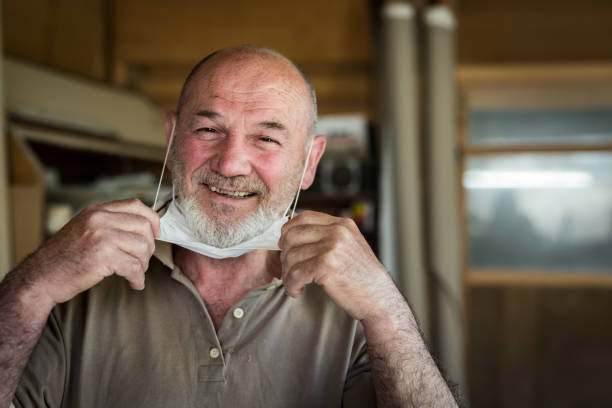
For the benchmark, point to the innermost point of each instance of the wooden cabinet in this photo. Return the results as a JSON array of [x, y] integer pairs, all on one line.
[[55, 168]]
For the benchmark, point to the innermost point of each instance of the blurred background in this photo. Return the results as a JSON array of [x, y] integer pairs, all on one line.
[[471, 140]]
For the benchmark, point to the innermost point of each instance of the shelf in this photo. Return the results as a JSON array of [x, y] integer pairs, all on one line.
[[95, 144], [539, 279]]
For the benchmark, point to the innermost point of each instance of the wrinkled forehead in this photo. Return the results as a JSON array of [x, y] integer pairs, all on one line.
[[252, 79]]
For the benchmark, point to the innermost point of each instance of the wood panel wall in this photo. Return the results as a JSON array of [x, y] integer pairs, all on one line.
[[540, 347], [157, 42], [65, 34], [150, 45], [510, 31]]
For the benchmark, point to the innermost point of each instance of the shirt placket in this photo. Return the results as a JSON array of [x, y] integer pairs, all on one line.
[[210, 359], [214, 349]]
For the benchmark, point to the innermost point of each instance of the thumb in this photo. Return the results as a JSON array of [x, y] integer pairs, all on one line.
[[274, 264]]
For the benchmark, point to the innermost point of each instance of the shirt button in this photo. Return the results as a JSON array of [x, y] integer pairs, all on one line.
[[214, 353], [238, 313]]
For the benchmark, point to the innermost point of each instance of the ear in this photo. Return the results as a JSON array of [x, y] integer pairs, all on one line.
[[318, 148], [170, 124]]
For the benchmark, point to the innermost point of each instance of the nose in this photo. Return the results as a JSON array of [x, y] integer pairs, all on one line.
[[231, 158]]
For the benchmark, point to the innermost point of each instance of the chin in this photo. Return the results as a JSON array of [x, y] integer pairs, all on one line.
[[222, 227]]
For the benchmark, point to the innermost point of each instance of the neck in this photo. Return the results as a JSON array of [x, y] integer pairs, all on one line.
[[222, 282]]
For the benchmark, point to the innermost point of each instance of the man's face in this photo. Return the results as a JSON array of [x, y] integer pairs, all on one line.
[[239, 148]]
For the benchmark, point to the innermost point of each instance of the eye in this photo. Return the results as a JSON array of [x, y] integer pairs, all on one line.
[[207, 130], [267, 139]]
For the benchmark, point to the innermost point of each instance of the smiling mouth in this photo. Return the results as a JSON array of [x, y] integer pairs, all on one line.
[[231, 194]]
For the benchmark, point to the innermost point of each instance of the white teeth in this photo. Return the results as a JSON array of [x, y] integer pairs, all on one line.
[[229, 193]]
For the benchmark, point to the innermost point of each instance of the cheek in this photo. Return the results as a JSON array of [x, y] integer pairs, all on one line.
[[193, 156], [278, 171], [272, 168]]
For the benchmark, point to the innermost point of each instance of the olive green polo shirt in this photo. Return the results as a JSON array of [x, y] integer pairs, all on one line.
[[112, 346]]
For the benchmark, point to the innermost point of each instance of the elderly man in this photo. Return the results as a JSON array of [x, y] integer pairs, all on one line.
[[317, 324]]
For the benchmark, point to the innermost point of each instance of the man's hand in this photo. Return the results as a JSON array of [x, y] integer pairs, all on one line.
[[331, 252], [117, 237], [113, 238]]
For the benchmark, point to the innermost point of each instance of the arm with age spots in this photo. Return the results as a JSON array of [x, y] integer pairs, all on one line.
[[330, 251], [113, 238]]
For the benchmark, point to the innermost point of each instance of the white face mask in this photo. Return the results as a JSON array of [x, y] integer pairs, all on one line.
[[174, 228]]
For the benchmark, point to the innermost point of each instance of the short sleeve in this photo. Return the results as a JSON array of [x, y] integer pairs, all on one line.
[[358, 388], [42, 382]]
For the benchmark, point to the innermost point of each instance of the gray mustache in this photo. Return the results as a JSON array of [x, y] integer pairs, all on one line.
[[237, 183]]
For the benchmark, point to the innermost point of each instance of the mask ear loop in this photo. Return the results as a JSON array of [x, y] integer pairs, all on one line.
[[164, 168], [297, 195]]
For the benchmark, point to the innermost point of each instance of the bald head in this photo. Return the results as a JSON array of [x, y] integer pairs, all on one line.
[[267, 59]]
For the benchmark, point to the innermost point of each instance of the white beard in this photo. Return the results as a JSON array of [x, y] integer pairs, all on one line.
[[211, 232]]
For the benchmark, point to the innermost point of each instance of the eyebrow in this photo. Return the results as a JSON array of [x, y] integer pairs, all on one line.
[[272, 125], [267, 124], [208, 114]]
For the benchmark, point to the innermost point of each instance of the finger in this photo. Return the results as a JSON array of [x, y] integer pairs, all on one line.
[[309, 233], [301, 234], [298, 254], [309, 217], [135, 206], [298, 276], [130, 268], [135, 245], [123, 221]]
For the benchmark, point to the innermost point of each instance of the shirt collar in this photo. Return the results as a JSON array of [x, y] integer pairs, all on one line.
[[163, 252]]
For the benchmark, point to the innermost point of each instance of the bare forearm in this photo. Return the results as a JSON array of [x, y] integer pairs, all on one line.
[[404, 373], [116, 237], [23, 315]]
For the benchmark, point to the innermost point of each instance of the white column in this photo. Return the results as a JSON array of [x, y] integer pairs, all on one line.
[[5, 226], [442, 167], [400, 139]]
